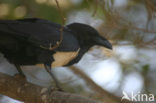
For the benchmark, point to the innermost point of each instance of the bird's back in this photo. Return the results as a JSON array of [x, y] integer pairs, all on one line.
[[39, 32], [21, 40]]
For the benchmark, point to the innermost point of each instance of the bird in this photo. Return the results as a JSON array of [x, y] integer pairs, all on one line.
[[29, 41]]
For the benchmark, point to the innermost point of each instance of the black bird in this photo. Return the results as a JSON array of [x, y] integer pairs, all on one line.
[[26, 42]]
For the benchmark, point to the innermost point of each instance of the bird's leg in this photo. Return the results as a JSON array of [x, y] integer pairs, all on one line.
[[19, 70], [48, 69]]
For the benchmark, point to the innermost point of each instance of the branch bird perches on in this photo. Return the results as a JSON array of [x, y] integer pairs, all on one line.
[[20, 89]]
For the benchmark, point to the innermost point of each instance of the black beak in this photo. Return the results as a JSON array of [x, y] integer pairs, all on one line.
[[103, 42]]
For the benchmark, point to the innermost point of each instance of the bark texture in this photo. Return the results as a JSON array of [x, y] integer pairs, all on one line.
[[18, 88]]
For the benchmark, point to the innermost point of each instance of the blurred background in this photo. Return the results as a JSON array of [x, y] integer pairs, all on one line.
[[130, 25]]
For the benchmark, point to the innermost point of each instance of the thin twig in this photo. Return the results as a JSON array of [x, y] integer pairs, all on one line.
[[96, 7], [61, 30], [151, 5]]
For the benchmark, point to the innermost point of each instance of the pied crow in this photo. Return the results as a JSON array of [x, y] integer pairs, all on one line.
[[25, 42]]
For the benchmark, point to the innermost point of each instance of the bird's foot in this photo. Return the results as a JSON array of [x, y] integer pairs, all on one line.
[[57, 86], [19, 76], [51, 89], [59, 89]]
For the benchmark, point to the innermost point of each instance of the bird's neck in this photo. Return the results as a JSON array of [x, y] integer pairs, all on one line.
[[83, 41], [85, 48]]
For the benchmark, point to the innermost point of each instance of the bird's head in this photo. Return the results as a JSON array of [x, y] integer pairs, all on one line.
[[88, 36]]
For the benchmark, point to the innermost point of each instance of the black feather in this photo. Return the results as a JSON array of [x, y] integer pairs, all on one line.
[[23, 41]]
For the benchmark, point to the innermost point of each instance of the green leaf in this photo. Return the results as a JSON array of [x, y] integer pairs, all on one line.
[[145, 68]]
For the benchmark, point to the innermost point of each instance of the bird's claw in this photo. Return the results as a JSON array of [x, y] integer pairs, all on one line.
[[17, 76]]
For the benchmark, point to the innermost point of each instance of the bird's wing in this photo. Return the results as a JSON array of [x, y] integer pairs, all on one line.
[[39, 32]]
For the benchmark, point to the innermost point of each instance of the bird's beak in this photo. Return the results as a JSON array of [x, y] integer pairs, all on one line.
[[103, 42]]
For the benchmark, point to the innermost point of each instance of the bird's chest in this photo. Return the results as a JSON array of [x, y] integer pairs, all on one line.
[[63, 58]]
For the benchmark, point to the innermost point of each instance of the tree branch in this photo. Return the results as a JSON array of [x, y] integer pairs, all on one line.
[[18, 88], [108, 97]]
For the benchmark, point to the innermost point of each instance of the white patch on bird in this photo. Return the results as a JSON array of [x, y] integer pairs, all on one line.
[[62, 58]]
